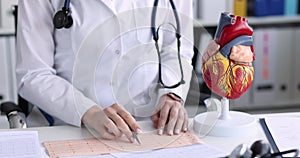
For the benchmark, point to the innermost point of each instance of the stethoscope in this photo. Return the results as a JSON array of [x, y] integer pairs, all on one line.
[[63, 19]]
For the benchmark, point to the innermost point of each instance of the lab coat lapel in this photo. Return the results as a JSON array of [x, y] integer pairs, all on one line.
[[110, 4]]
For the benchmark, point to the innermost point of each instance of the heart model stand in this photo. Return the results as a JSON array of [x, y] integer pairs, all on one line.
[[224, 122]]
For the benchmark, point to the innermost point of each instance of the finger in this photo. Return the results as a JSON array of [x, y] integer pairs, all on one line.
[[100, 130], [180, 120], [110, 125], [160, 104], [154, 119], [107, 135], [131, 122], [185, 122], [164, 113], [173, 117], [113, 129], [122, 126]]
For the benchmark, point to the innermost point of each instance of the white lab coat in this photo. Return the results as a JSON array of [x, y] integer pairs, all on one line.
[[106, 57]]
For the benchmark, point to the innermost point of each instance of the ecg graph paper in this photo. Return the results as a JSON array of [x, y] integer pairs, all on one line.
[[93, 146]]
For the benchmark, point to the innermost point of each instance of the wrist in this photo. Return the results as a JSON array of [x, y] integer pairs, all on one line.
[[175, 97], [88, 115]]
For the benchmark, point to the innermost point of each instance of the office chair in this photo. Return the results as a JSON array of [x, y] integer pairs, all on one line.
[[17, 113]]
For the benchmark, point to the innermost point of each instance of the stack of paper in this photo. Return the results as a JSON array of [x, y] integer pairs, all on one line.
[[19, 144], [191, 151]]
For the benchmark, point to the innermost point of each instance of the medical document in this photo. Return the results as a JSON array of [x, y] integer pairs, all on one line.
[[92, 146], [20, 144], [285, 131]]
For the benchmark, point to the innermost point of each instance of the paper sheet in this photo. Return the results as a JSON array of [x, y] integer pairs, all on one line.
[[19, 144], [150, 141], [285, 131], [191, 151]]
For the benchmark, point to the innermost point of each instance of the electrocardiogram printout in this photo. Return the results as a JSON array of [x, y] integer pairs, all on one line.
[[190, 151], [93, 146], [19, 144]]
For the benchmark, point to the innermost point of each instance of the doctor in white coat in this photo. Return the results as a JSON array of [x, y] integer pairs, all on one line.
[[100, 72]]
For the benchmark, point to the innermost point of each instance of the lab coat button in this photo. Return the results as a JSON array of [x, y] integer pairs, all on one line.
[[117, 52]]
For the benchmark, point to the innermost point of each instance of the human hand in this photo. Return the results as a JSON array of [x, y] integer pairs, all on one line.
[[99, 124], [123, 120], [170, 111], [110, 123]]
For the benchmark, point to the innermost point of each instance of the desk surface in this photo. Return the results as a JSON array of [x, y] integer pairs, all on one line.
[[225, 143]]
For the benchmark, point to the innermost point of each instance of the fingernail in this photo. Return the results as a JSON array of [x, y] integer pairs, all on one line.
[[185, 129], [139, 131], [170, 132], [177, 131], [160, 132], [131, 139]]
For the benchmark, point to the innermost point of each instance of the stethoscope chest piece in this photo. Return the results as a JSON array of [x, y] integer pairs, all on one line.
[[63, 18]]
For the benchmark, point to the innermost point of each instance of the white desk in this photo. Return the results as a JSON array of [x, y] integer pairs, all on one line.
[[225, 143]]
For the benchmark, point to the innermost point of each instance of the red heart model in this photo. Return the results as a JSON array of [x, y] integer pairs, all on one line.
[[224, 76]]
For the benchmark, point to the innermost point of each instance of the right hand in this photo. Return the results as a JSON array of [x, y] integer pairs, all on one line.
[[111, 122]]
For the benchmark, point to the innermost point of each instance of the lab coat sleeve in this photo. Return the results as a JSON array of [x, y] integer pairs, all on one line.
[[36, 76], [185, 12]]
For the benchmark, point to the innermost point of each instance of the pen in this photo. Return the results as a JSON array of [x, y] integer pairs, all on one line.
[[135, 136]]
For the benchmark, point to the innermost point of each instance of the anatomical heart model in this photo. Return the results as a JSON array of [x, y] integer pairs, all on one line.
[[230, 74]]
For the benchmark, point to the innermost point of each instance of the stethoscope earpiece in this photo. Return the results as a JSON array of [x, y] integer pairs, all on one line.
[[241, 151], [69, 22], [260, 148]]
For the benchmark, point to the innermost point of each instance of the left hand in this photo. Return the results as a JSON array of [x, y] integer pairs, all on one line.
[[171, 113]]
